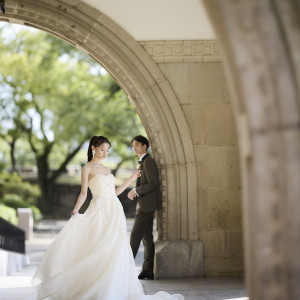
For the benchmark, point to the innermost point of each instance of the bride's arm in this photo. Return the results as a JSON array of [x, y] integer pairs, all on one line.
[[83, 193], [133, 177]]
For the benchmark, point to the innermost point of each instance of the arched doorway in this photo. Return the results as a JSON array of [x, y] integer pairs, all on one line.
[[149, 90]]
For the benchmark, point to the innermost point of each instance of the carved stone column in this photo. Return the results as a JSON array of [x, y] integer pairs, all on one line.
[[260, 43]]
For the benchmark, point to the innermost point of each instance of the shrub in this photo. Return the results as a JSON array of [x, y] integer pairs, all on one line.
[[9, 214], [25, 190], [9, 177], [15, 201], [13, 184]]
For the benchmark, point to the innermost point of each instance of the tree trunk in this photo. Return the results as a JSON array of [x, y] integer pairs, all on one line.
[[43, 169], [12, 155], [47, 180]]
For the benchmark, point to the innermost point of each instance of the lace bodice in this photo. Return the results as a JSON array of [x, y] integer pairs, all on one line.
[[102, 185]]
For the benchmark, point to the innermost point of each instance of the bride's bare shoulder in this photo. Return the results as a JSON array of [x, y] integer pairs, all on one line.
[[108, 170], [86, 168]]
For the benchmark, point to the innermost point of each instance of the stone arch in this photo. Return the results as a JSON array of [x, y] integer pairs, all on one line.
[[260, 41], [149, 90]]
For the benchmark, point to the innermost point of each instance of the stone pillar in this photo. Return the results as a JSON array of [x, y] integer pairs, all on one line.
[[260, 42], [177, 259], [26, 221]]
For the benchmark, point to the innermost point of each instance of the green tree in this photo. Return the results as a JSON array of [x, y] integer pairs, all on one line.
[[58, 98]]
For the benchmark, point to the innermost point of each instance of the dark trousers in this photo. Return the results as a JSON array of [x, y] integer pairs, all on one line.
[[142, 230]]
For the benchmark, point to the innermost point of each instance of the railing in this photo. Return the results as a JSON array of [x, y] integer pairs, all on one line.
[[12, 238]]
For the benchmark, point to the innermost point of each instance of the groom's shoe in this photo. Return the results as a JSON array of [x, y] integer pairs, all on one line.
[[146, 275]]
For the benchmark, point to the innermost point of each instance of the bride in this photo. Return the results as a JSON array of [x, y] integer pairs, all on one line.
[[91, 258]]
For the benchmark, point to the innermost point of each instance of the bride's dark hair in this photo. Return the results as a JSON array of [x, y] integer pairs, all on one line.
[[96, 141]]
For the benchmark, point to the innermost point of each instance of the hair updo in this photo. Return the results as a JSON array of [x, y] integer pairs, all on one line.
[[96, 141]]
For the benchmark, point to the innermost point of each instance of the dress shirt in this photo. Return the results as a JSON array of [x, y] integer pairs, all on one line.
[[140, 160]]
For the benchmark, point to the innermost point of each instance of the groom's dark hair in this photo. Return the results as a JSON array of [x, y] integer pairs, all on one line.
[[141, 139]]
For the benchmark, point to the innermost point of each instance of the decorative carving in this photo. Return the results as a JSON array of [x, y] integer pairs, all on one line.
[[183, 51]]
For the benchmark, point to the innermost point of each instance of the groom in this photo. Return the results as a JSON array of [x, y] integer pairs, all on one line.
[[148, 194]]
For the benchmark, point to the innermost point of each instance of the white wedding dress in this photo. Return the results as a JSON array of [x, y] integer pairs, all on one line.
[[91, 258]]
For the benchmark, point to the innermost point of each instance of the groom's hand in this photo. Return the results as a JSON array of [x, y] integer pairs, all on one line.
[[131, 194]]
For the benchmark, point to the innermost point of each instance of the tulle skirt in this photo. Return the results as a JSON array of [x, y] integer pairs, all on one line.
[[91, 259]]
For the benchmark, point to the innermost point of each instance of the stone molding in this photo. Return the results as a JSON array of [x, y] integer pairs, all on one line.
[[183, 51]]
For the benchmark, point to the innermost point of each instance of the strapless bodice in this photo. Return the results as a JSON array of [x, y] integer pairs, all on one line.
[[102, 185]]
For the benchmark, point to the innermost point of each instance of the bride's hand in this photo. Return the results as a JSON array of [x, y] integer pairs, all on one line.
[[135, 175], [74, 212]]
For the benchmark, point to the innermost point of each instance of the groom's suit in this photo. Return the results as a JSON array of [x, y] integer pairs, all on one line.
[[147, 186], [149, 200]]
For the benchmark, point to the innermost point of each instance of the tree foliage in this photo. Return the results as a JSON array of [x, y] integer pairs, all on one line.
[[56, 98]]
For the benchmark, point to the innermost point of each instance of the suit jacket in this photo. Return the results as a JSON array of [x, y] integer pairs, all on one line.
[[148, 186]]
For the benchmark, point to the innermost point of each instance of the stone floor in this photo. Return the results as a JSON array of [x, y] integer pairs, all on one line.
[[18, 286]]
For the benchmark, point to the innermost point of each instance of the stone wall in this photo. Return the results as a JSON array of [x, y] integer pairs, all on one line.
[[195, 71]]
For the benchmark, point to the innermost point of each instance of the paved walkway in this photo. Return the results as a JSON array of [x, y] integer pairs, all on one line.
[[18, 286]]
